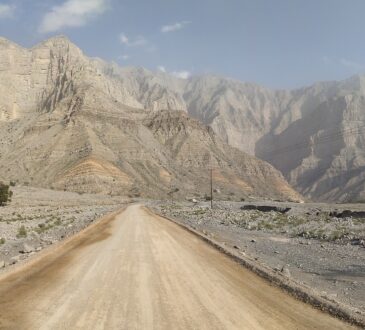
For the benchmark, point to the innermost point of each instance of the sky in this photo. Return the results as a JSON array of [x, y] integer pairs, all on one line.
[[275, 43]]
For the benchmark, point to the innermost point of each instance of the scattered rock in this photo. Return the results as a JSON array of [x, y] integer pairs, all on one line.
[[253, 241], [347, 213], [266, 208], [2, 263], [236, 247], [14, 260], [285, 271], [27, 248], [358, 242]]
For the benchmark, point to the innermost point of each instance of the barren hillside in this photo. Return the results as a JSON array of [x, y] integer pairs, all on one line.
[[71, 122]]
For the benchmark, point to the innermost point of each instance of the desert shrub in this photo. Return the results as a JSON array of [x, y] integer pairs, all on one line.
[[5, 194], [22, 232], [2, 240], [207, 197]]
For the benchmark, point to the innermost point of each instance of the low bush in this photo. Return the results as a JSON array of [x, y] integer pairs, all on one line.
[[5, 194], [22, 232]]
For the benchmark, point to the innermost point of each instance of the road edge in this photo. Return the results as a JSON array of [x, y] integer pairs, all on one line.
[[54, 249], [300, 292]]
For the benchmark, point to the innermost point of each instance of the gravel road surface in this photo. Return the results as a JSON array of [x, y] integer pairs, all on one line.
[[135, 270]]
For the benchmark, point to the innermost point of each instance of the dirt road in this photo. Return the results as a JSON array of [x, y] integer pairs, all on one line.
[[139, 271]]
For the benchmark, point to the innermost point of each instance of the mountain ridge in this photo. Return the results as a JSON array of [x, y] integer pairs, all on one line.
[[78, 123], [266, 123]]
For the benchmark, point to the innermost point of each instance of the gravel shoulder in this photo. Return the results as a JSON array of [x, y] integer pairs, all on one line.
[[37, 218], [333, 265]]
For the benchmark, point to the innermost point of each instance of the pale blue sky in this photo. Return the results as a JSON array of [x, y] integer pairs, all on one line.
[[276, 43]]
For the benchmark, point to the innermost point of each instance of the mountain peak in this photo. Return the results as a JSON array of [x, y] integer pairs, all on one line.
[[6, 42], [59, 38], [59, 41]]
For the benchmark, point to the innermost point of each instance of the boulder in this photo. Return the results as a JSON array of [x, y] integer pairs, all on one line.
[[266, 208], [27, 248], [347, 214], [285, 271]]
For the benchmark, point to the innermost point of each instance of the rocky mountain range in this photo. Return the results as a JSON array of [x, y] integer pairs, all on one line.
[[76, 123], [79, 123], [314, 135]]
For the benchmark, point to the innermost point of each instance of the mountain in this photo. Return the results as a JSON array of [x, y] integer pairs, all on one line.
[[315, 135], [318, 141], [77, 123]]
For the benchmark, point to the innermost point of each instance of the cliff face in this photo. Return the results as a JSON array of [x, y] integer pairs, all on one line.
[[318, 143], [313, 135], [71, 122]]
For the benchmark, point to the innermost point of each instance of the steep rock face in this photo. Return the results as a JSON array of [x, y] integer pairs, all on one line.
[[83, 125], [196, 148], [39, 78], [320, 149], [154, 91], [239, 113], [313, 135]]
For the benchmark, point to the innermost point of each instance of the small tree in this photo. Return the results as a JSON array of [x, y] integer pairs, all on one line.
[[5, 194]]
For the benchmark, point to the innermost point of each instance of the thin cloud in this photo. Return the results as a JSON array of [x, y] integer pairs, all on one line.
[[174, 27], [352, 64], [72, 13], [124, 57], [182, 74], [135, 42], [6, 11]]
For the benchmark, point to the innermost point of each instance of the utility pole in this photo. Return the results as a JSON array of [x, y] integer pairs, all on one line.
[[211, 188]]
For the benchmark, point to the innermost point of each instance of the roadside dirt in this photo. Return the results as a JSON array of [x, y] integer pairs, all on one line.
[[333, 269], [136, 270]]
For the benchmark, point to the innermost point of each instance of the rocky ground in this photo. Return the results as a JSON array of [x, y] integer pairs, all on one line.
[[320, 246], [302, 241], [37, 218]]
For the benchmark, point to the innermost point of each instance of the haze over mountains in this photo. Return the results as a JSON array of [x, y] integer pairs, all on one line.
[[80, 124], [313, 135], [87, 125]]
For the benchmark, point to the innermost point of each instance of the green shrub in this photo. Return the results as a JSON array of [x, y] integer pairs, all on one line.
[[22, 232], [2, 241], [207, 198], [5, 194]]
